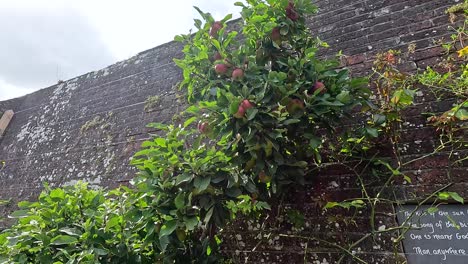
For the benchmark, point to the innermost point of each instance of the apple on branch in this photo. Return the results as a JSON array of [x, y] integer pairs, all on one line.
[[203, 127], [238, 74], [295, 105], [215, 28], [243, 107], [221, 69], [320, 87]]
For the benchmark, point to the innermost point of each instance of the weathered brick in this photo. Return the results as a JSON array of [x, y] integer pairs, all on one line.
[[46, 142]]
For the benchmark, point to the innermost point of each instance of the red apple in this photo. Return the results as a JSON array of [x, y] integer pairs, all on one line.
[[291, 12], [238, 74], [203, 127], [221, 69], [246, 104], [240, 112], [275, 34], [295, 105], [319, 86], [215, 28]]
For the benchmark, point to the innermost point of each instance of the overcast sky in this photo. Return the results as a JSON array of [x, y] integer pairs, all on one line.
[[43, 41]]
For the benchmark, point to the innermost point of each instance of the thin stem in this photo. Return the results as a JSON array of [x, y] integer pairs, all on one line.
[[328, 243], [404, 224]]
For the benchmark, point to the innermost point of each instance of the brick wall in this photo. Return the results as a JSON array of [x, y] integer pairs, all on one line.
[[88, 127]]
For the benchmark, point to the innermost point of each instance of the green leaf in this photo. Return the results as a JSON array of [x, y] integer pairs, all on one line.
[[208, 215], [454, 223], [233, 192], [344, 97], [168, 228], [100, 251], [358, 203], [164, 242], [461, 114], [403, 97], [63, 240], [198, 23], [328, 103], [191, 222], [114, 221], [20, 214], [251, 113], [57, 194], [291, 121], [189, 121], [157, 126], [160, 142], [184, 177], [71, 231], [234, 106], [147, 144], [331, 205], [201, 183], [373, 132], [407, 178], [456, 197], [179, 38], [216, 44], [301, 164], [205, 16], [379, 119], [226, 18], [180, 200], [443, 195]]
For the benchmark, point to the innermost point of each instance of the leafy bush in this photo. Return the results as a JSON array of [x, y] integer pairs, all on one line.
[[78, 225]]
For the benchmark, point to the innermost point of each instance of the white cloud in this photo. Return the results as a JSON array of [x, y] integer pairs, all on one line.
[[43, 41], [135, 26], [8, 90]]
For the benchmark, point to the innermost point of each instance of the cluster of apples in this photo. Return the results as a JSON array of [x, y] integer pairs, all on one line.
[[224, 68], [243, 107], [295, 104], [221, 69], [204, 127]]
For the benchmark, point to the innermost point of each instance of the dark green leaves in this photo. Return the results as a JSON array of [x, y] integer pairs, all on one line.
[[180, 200], [201, 183], [168, 228], [63, 240], [71, 231]]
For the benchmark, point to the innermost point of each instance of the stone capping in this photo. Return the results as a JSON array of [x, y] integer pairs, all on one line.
[[5, 121]]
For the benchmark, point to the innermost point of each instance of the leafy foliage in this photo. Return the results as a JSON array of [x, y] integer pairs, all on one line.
[[260, 101], [278, 134], [77, 225], [264, 112]]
